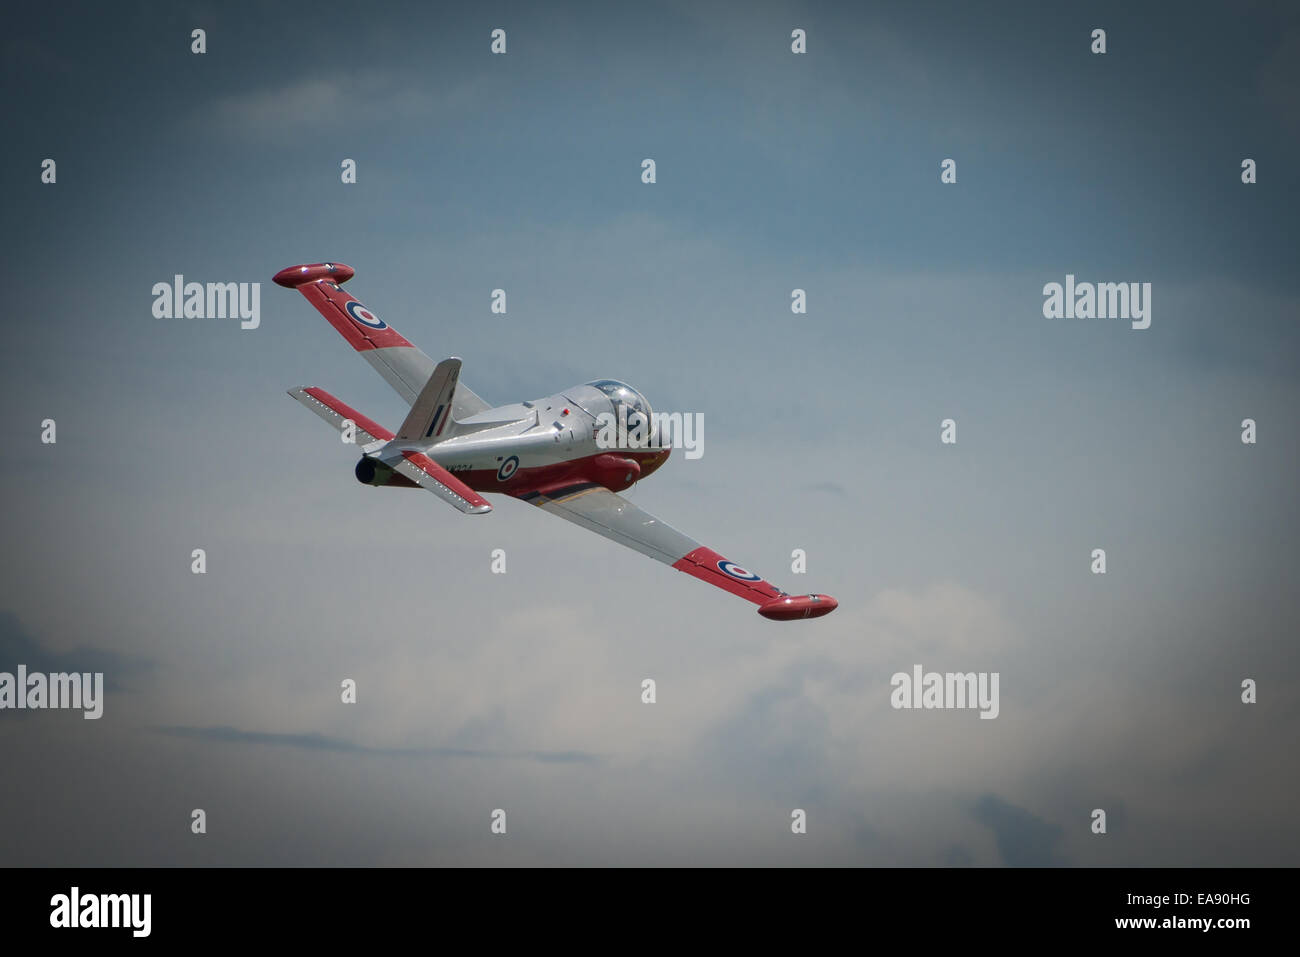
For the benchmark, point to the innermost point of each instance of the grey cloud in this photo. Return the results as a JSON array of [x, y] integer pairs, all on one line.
[[320, 742], [1023, 838], [17, 647]]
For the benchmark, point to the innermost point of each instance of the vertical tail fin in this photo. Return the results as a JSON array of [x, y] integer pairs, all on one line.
[[430, 417]]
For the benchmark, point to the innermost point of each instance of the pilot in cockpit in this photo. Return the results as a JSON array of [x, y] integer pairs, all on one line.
[[639, 417]]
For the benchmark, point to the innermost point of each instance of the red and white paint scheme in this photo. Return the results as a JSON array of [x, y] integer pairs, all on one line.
[[543, 452]]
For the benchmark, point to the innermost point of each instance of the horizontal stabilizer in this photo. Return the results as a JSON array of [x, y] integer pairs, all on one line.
[[427, 473], [338, 414]]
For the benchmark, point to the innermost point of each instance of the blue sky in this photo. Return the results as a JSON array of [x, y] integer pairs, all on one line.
[[775, 171]]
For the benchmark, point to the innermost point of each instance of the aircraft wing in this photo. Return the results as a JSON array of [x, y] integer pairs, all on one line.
[[599, 510], [402, 365]]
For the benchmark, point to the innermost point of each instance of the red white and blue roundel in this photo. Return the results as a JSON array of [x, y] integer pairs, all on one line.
[[361, 314], [735, 571]]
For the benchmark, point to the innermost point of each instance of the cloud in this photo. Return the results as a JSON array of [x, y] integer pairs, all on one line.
[[357, 99], [17, 647], [1023, 838], [1118, 691], [320, 742]]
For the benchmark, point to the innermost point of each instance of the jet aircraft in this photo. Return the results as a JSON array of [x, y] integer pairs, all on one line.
[[542, 451]]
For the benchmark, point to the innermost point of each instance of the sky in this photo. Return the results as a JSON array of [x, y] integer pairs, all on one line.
[[775, 171]]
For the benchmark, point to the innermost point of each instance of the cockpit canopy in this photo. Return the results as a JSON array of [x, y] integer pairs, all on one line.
[[620, 393]]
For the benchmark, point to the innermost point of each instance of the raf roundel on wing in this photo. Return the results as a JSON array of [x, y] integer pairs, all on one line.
[[361, 314]]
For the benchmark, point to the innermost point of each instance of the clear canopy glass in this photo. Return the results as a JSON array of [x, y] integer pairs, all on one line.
[[620, 393]]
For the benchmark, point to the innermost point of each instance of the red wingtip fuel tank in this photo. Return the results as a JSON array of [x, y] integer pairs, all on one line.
[[293, 276], [793, 607]]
